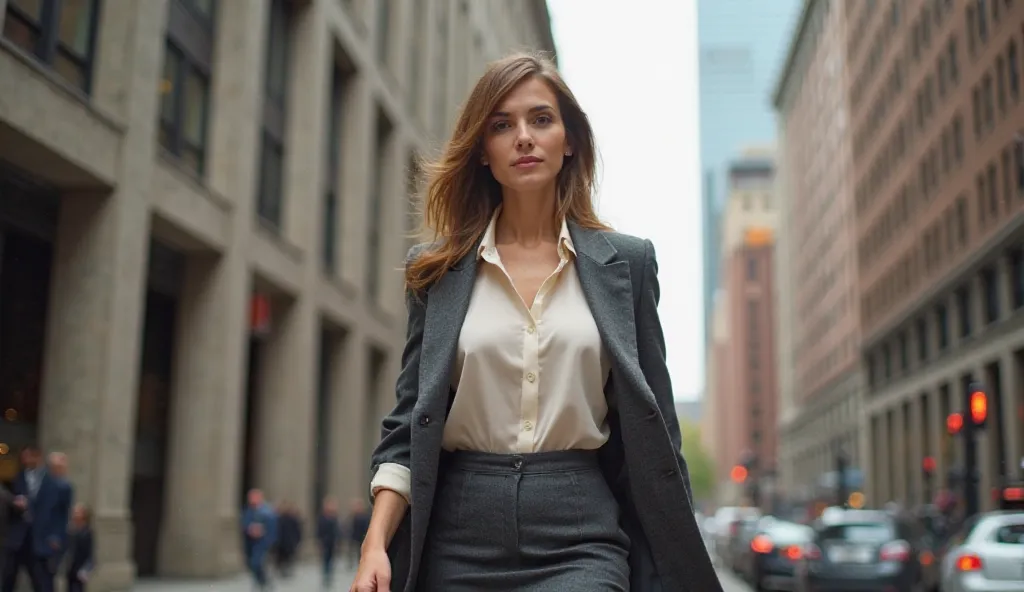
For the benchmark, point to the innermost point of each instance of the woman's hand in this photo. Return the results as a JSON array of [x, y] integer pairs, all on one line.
[[374, 574]]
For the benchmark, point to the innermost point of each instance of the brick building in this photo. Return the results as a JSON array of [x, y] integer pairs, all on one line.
[[938, 165], [820, 385], [742, 356]]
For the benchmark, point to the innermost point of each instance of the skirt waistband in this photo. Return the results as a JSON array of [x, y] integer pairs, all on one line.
[[559, 461]]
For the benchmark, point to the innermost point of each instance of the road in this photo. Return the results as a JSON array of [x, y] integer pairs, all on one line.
[[307, 579], [731, 583]]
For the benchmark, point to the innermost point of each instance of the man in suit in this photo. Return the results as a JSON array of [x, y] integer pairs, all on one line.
[[38, 527], [259, 533]]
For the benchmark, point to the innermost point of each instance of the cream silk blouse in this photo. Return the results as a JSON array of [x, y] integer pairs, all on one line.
[[526, 379]]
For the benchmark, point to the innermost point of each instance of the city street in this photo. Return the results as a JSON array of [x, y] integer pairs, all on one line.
[[307, 579]]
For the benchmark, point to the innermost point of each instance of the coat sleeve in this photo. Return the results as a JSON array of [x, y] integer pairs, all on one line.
[[391, 458], [650, 341]]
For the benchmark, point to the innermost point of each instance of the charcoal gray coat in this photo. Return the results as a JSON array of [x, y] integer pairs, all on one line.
[[642, 460]]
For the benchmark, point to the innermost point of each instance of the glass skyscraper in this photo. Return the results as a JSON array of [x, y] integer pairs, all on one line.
[[742, 44]]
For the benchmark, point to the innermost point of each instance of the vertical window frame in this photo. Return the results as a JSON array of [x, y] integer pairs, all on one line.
[[48, 44]]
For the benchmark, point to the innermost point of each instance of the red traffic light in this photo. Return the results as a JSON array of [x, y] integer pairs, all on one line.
[[954, 422], [738, 474], [928, 464], [979, 407]]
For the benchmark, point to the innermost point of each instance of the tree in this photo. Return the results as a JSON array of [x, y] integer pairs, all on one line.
[[698, 462]]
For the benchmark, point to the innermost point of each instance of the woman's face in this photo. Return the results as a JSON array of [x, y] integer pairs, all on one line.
[[524, 139]]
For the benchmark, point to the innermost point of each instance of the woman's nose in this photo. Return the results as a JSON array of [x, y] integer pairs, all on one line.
[[524, 139]]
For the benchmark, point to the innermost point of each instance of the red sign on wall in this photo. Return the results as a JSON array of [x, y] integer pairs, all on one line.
[[259, 314]]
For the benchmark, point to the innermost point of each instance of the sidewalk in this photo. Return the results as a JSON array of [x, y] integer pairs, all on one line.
[[305, 579]]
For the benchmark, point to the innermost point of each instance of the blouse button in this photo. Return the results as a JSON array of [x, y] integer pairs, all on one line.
[[530, 376], [528, 425], [531, 329], [425, 420]]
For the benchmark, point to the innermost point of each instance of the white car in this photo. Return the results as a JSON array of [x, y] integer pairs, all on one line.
[[986, 555]]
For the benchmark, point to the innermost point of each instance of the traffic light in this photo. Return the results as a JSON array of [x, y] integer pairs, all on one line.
[[928, 467], [954, 423], [738, 474], [978, 403]]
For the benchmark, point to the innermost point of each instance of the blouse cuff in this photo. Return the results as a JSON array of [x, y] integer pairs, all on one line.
[[394, 477]]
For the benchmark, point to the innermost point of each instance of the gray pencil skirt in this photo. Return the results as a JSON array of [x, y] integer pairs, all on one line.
[[533, 522]]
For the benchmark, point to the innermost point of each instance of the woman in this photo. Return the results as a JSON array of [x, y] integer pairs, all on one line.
[[534, 445], [80, 550]]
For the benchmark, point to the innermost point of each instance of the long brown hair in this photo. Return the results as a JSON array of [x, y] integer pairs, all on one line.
[[461, 194]]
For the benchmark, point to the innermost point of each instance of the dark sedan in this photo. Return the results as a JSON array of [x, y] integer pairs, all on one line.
[[775, 549], [861, 551]]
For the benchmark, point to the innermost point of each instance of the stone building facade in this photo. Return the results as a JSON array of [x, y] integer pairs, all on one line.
[[204, 206]]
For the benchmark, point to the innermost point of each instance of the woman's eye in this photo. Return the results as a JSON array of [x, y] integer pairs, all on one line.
[[499, 126], [543, 119]]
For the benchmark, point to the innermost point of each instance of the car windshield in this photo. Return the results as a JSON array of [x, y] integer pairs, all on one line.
[[874, 533], [785, 533]]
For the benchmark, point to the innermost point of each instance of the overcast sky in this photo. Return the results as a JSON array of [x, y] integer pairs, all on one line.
[[635, 73]]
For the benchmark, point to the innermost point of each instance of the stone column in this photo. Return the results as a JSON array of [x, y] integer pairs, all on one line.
[[1013, 424], [358, 160], [199, 536], [94, 322], [287, 394], [936, 425], [347, 473], [916, 451]]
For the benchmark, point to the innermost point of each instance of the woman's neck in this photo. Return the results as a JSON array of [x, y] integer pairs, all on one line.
[[527, 219]]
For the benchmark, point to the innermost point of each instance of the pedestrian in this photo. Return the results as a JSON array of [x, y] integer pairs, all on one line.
[[328, 535], [81, 551], [288, 539], [259, 532], [358, 524], [38, 530], [534, 444]]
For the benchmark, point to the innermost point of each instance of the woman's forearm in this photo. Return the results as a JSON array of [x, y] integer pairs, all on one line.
[[388, 510]]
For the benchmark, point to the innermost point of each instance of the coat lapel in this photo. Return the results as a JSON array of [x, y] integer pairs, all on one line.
[[447, 304], [608, 287]]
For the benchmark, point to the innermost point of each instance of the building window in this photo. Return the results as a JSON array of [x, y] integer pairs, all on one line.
[[377, 197], [942, 323], [1013, 72], [1017, 277], [904, 353], [963, 306], [185, 87], [990, 287], [922, 340], [270, 198], [59, 33], [751, 268], [329, 232], [1018, 158]]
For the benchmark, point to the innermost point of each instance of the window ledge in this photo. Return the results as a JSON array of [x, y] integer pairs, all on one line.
[[344, 287], [197, 183], [60, 85], [290, 249]]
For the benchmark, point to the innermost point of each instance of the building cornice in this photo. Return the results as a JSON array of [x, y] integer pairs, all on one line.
[[789, 66]]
